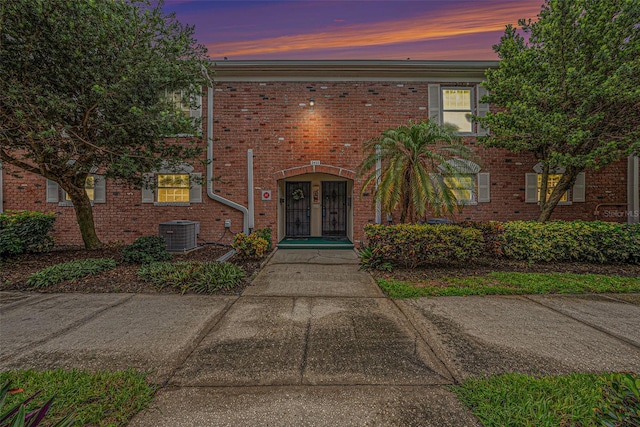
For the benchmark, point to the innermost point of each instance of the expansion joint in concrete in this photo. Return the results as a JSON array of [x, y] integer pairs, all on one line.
[[78, 323], [585, 323]]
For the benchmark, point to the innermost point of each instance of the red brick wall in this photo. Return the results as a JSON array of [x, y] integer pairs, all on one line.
[[269, 118]]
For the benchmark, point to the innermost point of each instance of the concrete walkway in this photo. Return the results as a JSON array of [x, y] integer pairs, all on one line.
[[314, 342]]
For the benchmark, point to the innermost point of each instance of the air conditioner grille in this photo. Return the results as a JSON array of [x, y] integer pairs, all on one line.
[[180, 235]]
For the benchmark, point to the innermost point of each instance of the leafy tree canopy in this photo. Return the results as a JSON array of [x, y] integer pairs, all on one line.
[[568, 88], [84, 84]]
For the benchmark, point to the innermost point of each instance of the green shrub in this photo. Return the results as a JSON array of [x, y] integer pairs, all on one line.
[[25, 231], [70, 271], [413, 245], [491, 233], [633, 231], [197, 276], [621, 392], [145, 250], [252, 246], [265, 233], [585, 241]]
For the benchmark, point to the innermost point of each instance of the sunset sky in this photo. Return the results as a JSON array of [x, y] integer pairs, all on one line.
[[351, 29]]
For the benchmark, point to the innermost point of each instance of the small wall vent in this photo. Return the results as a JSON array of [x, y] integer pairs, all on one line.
[[180, 235]]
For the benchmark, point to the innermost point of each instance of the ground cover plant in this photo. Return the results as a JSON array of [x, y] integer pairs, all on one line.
[[577, 399], [197, 276], [96, 399], [14, 272], [510, 283], [70, 271]]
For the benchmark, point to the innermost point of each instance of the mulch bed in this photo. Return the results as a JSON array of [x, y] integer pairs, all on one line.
[[14, 273]]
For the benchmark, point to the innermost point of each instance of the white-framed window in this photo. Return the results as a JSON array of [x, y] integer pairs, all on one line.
[[456, 105], [95, 186], [178, 186], [173, 188], [457, 108], [190, 107], [552, 182], [462, 187], [533, 186], [468, 185]]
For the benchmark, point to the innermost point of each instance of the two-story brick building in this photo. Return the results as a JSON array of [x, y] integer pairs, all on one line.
[[284, 139]]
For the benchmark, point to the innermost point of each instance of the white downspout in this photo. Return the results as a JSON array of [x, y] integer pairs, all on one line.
[[210, 191], [378, 176], [250, 203]]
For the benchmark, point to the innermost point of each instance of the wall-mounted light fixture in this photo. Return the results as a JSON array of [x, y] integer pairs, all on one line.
[[312, 102]]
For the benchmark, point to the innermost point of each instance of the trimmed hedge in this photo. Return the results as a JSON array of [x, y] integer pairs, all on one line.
[[414, 245], [491, 233], [25, 231], [584, 241]]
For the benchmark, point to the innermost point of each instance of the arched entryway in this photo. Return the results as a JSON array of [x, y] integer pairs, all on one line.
[[315, 204]]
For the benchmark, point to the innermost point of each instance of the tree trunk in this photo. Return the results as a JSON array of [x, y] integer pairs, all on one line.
[[84, 216], [566, 182]]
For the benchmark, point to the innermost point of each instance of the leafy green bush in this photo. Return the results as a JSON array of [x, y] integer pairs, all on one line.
[[413, 245], [252, 246], [585, 241], [145, 250], [25, 231], [633, 230], [197, 276], [70, 271], [491, 233], [621, 392], [265, 233]]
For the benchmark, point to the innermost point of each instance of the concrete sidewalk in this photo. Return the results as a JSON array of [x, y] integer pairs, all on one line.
[[314, 342]]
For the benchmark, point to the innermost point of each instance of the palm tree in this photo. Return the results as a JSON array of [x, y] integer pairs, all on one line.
[[406, 163]]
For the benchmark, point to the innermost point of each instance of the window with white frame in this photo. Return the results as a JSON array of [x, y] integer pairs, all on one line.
[[95, 186], [457, 108], [190, 106], [178, 186], [462, 187], [173, 188], [89, 188], [552, 183], [456, 105], [533, 186], [468, 184]]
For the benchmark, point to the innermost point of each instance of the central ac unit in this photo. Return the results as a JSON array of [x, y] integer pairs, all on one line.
[[180, 235]]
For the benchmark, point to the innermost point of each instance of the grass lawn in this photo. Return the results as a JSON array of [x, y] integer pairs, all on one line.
[[506, 283], [523, 400], [95, 399]]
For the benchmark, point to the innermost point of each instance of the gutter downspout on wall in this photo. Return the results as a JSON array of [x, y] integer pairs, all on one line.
[[210, 191], [250, 195], [633, 190]]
